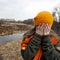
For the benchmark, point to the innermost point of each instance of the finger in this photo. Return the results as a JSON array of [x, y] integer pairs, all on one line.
[[37, 27], [40, 29], [41, 26], [45, 29], [48, 27]]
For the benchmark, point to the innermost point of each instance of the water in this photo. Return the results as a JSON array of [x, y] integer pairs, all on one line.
[[8, 38]]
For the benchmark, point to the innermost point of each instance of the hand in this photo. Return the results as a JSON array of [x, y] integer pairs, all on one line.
[[46, 30], [39, 29], [43, 29]]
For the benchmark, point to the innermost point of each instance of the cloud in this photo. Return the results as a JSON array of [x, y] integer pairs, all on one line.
[[24, 9]]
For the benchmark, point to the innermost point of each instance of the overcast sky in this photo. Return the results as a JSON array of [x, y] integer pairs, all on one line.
[[24, 9]]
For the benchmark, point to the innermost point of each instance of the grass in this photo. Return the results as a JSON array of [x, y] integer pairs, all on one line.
[[11, 51]]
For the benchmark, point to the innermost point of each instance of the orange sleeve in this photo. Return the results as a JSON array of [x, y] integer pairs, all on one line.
[[54, 40], [25, 43]]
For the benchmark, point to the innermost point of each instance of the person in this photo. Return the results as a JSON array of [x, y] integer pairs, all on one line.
[[40, 43]]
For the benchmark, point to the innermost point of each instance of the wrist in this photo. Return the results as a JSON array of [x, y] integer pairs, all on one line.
[[47, 33], [38, 35]]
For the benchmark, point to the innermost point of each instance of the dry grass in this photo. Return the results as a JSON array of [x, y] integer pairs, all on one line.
[[11, 51]]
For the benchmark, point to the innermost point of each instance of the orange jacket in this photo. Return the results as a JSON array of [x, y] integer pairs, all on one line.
[[39, 53]]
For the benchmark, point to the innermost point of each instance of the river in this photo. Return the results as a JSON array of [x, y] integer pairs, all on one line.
[[8, 38]]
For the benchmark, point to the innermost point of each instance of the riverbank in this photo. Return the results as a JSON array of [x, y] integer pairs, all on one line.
[[10, 33], [11, 51], [7, 27]]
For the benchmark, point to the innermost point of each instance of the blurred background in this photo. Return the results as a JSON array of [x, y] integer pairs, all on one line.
[[16, 18]]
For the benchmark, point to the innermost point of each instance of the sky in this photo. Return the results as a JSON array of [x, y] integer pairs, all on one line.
[[24, 9]]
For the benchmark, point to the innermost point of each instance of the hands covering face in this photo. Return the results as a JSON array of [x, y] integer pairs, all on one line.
[[43, 29]]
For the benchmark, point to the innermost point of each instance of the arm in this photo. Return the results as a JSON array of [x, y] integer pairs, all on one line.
[[32, 48], [49, 51]]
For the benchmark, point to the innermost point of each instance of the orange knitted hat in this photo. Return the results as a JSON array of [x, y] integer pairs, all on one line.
[[44, 17]]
